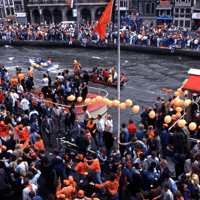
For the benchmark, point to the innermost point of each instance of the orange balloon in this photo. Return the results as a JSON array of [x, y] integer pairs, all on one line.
[[73, 97], [186, 103], [110, 103], [179, 109], [179, 102], [122, 106], [135, 109], [178, 114], [99, 98], [180, 90], [192, 126], [94, 101], [152, 114], [115, 103], [181, 123], [177, 94], [79, 99], [128, 102], [105, 100], [87, 101], [167, 119]]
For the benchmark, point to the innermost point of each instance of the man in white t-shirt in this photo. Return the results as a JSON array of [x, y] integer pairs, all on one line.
[[28, 187], [166, 194], [25, 105]]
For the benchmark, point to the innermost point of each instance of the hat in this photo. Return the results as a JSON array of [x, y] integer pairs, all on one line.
[[71, 179], [162, 99], [81, 193], [3, 148], [66, 182], [150, 126], [60, 196], [33, 154], [150, 108], [80, 156], [165, 125], [22, 172], [13, 76]]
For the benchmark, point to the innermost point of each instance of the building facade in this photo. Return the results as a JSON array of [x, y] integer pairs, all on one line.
[[147, 10], [183, 13], [59, 10]]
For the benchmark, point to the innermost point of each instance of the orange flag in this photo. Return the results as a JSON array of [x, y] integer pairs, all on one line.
[[26, 144], [4, 130], [100, 28], [23, 135]]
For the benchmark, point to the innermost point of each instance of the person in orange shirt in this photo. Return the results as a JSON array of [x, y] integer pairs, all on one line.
[[68, 191], [150, 132], [111, 185], [95, 167], [1, 96], [30, 74], [21, 79], [81, 168], [14, 81], [131, 129], [39, 144]]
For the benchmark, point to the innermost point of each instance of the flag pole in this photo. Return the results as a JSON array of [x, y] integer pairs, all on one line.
[[77, 16], [118, 66]]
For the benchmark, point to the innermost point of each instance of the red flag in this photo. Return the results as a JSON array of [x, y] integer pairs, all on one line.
[[23, 135], [4, 130], [100, 28]]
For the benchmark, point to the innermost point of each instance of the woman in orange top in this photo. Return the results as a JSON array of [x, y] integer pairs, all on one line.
[[150, 132], [81, 168], [39, 144]]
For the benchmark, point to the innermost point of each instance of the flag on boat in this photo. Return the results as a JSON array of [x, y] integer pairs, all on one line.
[[100, 28], [72, 3]]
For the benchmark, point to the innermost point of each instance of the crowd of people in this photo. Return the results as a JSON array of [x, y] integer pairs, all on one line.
[[135, 161], [132, 32]]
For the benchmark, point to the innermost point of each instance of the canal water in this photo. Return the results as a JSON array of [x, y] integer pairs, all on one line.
[[147, 73]]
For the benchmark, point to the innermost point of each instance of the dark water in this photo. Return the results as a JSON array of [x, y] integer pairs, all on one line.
[[147, 74]]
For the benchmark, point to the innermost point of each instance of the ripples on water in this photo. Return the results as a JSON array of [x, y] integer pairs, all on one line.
[[147, 73]]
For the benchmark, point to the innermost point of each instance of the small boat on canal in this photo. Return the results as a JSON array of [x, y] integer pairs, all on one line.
[[44, 66]]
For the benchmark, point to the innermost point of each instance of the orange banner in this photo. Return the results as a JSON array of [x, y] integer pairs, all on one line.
[[23, 135], [4, 131]]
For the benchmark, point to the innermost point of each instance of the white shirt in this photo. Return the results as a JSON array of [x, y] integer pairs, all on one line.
[[24, 104], [100, 125], [45, 82], [15, 97], [26, 191], [110, 122], [19, 89], [167, 195], [150, 160]]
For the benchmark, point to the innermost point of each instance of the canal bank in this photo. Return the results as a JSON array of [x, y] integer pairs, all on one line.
[[134, 48]]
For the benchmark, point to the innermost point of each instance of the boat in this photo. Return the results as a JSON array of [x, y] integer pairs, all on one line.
[[42, 66], [108, 83]]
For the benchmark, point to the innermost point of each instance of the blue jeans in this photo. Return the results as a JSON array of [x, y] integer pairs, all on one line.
[[113, 197], [82, 177], [95, 139], [164, 149], [59, 173], [98, 179], [108, 151], [100, 137]]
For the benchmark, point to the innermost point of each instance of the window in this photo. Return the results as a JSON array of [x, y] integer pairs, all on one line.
[[182, 0], [182, 10], [168, 12], [141, 8], [147, 9], [187, 23], [17, 8], [176, 22], [177, 1], [176, 16], [176, 10], [188, 10], [181, 22], [187, 16], [152, 8]]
